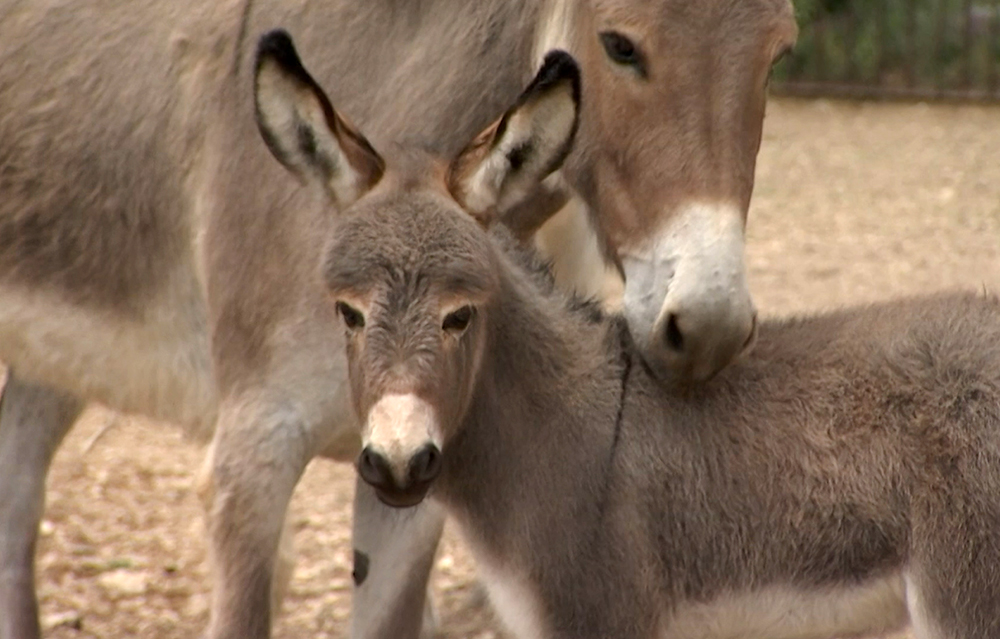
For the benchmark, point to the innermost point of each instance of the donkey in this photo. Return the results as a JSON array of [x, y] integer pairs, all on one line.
[[152, 259], [843, 479]]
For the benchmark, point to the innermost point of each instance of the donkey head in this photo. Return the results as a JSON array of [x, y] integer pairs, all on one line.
[[671, 126], [411, 269]]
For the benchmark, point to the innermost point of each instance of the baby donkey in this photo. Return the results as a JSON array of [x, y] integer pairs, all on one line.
[[842, 480]]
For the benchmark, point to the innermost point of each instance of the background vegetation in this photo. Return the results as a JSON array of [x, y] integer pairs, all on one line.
[[947, 44]]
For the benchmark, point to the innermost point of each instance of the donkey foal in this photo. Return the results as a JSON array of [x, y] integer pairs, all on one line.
[[842, 480]]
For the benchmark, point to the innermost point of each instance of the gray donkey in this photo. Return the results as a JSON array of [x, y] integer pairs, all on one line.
[[842, 480]]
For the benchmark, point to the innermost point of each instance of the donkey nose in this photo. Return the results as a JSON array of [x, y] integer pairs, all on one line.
[[687, 301], [403, 484], [374, 469], [425, 465], [698, 345]]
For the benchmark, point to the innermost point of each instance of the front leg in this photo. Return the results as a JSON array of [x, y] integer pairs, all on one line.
[[393, 555], [255, 461], [33, 421]]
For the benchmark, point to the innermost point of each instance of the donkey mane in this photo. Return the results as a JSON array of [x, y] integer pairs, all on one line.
[[540, 270]]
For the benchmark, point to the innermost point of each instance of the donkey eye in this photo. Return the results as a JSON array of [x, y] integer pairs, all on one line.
[[781, 55], [353, 318], [457, 321], [623, 51]]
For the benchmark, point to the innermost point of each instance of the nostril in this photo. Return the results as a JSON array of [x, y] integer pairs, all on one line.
[[426, 464], [374, 469], [675, 339]]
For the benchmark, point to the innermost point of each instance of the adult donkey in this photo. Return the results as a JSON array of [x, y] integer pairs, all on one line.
[[840, 481], [151, 257]]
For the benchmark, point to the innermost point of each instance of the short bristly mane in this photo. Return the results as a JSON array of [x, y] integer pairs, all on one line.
[[533, 264]]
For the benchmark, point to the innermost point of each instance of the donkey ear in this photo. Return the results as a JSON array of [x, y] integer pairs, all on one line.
[[506, 163], [301, 128]]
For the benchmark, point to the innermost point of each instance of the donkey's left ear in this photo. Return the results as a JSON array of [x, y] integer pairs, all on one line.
[[302, 129], [507, 162]]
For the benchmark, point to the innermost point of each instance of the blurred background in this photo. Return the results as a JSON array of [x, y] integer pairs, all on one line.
[[895, 48], [879, 175]]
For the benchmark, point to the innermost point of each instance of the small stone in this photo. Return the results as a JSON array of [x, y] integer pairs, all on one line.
[[68, 619], [197, 605], [123, 583]]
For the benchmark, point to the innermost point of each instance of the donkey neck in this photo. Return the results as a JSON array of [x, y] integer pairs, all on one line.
[[536, 445]]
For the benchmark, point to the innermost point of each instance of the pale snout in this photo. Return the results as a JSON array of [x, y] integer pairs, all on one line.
[[401, 457], [686, 298]]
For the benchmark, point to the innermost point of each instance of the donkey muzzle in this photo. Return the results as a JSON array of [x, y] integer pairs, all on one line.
[[408, 490], [402, 455], [686, 299]]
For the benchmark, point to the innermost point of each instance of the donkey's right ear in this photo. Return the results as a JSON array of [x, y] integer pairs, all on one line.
[[302, 129]]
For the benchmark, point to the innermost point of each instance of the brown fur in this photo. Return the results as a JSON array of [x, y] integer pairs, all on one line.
[[701, 144]]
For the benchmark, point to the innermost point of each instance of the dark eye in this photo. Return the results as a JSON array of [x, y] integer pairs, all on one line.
[[623, 51], [784, 53], [457, 321], [353, 318]]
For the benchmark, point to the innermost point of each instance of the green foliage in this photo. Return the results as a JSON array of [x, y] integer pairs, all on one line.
[[904, 43]]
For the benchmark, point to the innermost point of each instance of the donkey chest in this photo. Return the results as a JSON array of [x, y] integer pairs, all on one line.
[[514, 600], [512, 596]]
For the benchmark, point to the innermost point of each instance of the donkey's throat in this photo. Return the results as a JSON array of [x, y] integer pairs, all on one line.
[[871, 608]]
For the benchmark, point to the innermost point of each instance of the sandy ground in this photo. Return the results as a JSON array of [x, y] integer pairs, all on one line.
[[853, 203]]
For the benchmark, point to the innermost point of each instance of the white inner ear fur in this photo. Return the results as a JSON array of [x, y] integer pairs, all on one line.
[[283, 103], [543, 126]]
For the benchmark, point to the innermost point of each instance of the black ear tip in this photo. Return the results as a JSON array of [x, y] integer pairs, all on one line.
[[277, 45], [559, 66], [562, 63]]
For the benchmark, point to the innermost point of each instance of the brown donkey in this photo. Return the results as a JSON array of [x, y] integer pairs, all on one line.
[[154, 259], [842, 480]]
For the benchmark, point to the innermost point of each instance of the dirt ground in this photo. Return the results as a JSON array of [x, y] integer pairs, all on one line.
[[853, 203]]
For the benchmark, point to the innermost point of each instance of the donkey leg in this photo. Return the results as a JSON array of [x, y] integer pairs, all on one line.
[[255, 461], [33, 421], [952, 590], [393, 555]]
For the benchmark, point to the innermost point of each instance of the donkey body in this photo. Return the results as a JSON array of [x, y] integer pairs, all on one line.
[[843, 479]]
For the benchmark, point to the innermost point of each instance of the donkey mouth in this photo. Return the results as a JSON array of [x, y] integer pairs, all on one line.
[[408, 498]]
